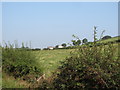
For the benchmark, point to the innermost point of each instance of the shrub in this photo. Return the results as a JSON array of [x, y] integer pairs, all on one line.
[[19, 62], [84, 41], [90, 67], [64, 45]]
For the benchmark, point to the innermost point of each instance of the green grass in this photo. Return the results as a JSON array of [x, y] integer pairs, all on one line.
[[0, 67], [0, 77], [49, 60], [11, 82], [110, 40]]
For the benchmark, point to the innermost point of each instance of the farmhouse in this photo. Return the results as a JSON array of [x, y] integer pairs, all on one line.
[[50, 47], [60, 46]]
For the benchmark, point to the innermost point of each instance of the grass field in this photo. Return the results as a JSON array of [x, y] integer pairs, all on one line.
[[49, 60], [0, 77], [110, 40]]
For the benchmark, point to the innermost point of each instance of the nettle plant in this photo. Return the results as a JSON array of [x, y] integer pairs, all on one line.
[[90, 67]]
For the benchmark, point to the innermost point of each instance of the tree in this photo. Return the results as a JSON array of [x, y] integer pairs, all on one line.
[[106, 37], [45, 49], [23, 45], [84, 41], [64, 45], [56, 46], [76, 42]]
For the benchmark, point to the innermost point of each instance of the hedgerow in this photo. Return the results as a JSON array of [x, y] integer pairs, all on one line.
[[96, 67], [91, 67], [20, 62]]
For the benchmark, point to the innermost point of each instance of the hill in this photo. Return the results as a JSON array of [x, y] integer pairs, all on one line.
[[110, 40]]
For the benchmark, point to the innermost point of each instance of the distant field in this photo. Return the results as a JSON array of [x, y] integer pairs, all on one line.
[[110, 40], [50, 59]]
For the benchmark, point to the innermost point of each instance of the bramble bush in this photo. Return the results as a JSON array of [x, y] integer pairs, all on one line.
[[20, 62], [96, 67], [89, 67]]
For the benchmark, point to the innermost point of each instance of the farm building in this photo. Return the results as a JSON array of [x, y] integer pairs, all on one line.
[[60, 46], [50, 47]]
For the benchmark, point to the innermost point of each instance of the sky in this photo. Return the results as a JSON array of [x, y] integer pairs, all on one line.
[[0, 22], [53, 23], [119, 18]]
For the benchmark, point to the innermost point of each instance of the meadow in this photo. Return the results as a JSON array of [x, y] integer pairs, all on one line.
[[50, 59]]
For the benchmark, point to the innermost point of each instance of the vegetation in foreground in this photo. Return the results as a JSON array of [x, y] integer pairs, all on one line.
[[46, 62], [11, 82], [19, 63], [86, 67], [89, 67], [96, 67]]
